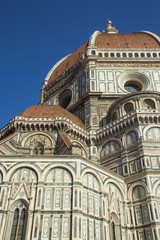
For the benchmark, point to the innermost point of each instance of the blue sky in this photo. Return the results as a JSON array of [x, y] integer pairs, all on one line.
[[35, 34]]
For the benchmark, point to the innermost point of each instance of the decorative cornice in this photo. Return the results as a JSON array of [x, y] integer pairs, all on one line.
[[133, 96], [134, 118], [19, 123], [123, 54], [67, 126], [126, 64]]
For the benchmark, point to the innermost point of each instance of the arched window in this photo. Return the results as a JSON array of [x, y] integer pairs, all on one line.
[[113, 231], [24, 173], [91, 195], [115, 227], [78, 149], [65, 98], [132, 87], [131, 138], [19, 221], [128, 107], [153, 134], [140, 207], [91, 182], [38, 149], [109, 148], [149, 104], [116, 198], [139, 193]]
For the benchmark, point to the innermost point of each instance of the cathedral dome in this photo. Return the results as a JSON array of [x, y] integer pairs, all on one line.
[[137, 40], [47, 111], [106, 40], [66, 63]]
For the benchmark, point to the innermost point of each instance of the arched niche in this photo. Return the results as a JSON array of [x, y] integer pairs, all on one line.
[[90, 181], [131, 138], [38, 149], [128, 107], [109, 148], [149, 104], [78, 149], [58, 175], [115, 206], [58, 197], [91, 194], [24, 173], [115, 227], [138, 193], [153, 134], [140, 206], [38, 142], [111, 188], [16, 227]]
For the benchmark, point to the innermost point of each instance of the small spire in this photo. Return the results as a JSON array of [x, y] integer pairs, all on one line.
[[110, 29]]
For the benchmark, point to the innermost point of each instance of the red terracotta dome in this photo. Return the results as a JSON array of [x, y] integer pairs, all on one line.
[[108, 39], [139, 40], [49, 111], [68, 62]]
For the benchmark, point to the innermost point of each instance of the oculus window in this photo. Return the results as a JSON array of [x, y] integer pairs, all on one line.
[[131, 87]]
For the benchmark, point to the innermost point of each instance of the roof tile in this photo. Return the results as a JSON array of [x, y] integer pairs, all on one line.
[[120, 40], [49, 111], [69, 62]]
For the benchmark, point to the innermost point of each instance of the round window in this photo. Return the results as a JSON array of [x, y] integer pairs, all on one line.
[[131, 87], [133, 82], [65, 98]]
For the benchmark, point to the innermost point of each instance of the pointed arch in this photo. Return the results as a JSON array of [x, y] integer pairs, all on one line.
[[17, 220], [115, 227]]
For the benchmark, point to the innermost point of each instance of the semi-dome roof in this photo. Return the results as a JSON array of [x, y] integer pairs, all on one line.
[[108, 39], [49, 111]]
